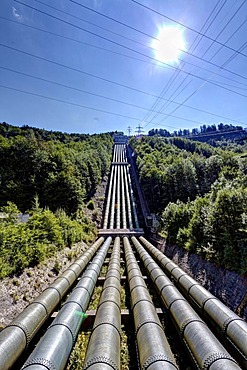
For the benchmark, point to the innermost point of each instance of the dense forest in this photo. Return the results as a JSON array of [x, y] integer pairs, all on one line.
[[199, 193], [51, 176], [209, 130]]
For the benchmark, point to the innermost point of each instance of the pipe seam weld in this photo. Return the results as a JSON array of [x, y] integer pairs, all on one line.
[[69, 269], [161, 274], [157, 358], [177, 280], [138, 286], [41, 304], [205, 301], [107, 322], [148, 320], [142, 300], [109, 301], [24, 328], [188, 291], [56, 289], [100, 359], [175, 300], [111, 286], [215, 357], [61, 323], [186, 323], [60, 277], [39, 361], [82, 287], [228, 321], [75, 302], [137, 275]]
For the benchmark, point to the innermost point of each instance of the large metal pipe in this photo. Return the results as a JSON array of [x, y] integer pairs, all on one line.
[[230, 326], [103, 350], [129, 213], [205, 349], [15, 337], [154, 350], [123, 198], [109, 195], [53, 354], [132, 200], [113, 198], [118, 204]]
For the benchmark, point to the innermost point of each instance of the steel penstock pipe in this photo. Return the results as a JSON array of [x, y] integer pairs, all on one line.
[[204, 348], [104, 346], [154, 350]]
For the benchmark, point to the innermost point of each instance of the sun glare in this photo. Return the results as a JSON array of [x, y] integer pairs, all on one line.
[[168, 44]]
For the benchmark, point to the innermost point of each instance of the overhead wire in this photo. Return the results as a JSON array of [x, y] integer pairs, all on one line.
[[182, 103], [176, 74], [223, 29], [224, 64], [126, 47], [103, 96], [187, 27], [135, 51], [83, 106]]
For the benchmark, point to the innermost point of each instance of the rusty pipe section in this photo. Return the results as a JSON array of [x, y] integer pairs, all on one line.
[[53, 350], [205, 350], [154, 350], [103, 350], [232, 328], [15, 337]]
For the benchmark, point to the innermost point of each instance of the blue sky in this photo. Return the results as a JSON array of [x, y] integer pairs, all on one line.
[[55, 75]]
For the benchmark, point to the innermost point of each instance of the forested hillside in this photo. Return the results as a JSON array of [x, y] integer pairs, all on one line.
[[200, 195], [51, 176]]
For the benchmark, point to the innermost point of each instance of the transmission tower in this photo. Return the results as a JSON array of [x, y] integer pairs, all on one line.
[[139, 130], [129, 129]]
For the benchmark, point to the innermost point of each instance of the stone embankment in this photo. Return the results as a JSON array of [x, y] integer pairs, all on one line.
[[226, 285]]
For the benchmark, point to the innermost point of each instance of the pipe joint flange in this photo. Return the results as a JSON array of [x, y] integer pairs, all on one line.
[[148, 320], [60, 323], [227, 322], [158, 358], [215, 357], [192, 286], [107, 322], [39, 361], [109, 301], [24, 329], [205, 301], [98, 360], [186, 323]]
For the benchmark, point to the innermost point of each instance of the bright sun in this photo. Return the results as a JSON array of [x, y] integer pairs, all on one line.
[[168, 44]]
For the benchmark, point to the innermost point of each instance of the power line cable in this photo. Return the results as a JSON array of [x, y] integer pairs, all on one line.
[[176, 74], [223, 29], [83, 106], [101, 78], [189, 28], [91, 23], [77, 89], [114, 52], [181, 104], [224, 64], [126, 47]]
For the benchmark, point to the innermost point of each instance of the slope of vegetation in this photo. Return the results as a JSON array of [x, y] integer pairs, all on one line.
[[200, 194], [51, 176]]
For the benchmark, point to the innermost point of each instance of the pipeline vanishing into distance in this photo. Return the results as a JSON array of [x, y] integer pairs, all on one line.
[[212, 335]]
